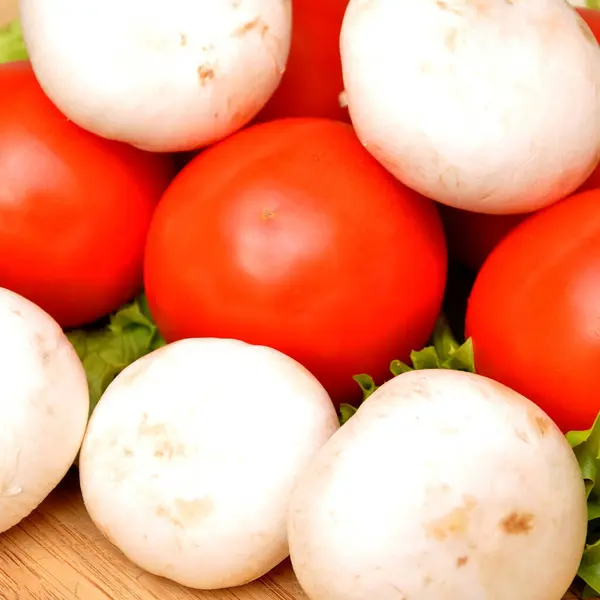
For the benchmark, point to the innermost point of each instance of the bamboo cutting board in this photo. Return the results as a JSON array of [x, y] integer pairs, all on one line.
[[58, 554]]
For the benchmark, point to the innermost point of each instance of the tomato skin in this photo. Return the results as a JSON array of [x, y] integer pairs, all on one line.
[[534, 311], [592, 182], [312, 82], [592, 18], [288, 234], [74, 208], [472, 236]]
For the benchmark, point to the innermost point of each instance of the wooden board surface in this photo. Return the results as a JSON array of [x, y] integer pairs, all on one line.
[[58, 554]]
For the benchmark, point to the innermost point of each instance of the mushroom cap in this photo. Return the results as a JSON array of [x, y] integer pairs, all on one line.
[[44, 405], [443, 485], [191, 455], [490, 106], [161, 76]]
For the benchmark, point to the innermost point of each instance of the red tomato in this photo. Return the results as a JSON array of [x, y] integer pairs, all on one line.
[[289, 234], [74, 208], [592, 17], [534, 311], [312, 82], [592, 182], [472, 236]]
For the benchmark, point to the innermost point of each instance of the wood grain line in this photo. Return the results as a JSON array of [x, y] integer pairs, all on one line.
[[58, 554]]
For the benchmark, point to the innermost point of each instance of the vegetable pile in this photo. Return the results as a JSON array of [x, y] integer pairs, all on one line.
[[282, 279]]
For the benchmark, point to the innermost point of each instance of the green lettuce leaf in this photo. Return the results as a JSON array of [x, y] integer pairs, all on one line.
[[106, 351], [594, 4], [586, 445], [444, 352], [12, 46]]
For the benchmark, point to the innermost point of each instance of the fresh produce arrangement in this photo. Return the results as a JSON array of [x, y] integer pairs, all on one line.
[[320, 282]]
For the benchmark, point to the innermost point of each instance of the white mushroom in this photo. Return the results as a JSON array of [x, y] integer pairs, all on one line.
[[162, 76], [191, 456], [443, 485], [44, 404], [489, 105]]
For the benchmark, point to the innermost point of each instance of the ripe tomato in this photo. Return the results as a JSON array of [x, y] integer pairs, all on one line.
[[534, 311], [74, 208], [592, 182], [592, 17], [472, 236], [289, 234], [312, 82]]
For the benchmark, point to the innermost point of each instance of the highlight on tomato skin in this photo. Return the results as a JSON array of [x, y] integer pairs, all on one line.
[[74, 208], [290, 235], [534, 311]]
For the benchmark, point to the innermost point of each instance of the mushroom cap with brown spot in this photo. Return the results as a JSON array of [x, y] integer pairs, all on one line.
[[191, 455], [444, 484]]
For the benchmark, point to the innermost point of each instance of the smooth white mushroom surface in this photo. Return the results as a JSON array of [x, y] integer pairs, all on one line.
[[444, 484], [162, 76], [191, 456], [491, 106], [44, 404]]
